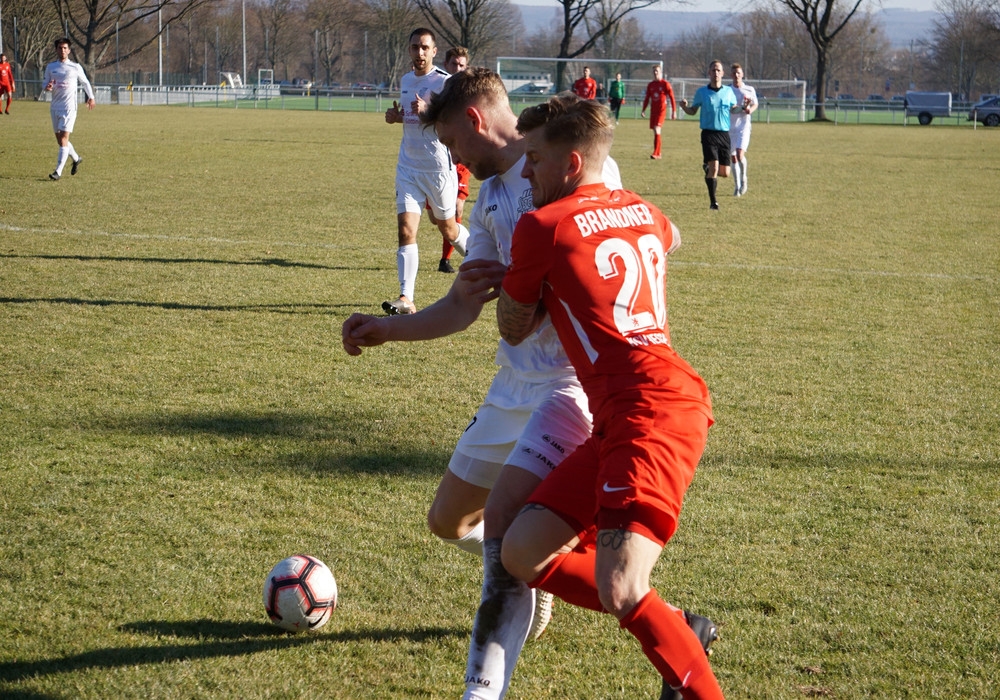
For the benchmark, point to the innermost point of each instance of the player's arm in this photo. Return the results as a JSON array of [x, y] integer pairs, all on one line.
[[452, 313], [689, 108], [517, 321], [673, 103]]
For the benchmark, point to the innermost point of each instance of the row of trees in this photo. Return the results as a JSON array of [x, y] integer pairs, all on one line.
[[836, 45]]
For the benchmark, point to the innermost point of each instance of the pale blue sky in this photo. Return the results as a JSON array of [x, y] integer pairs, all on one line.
[[730, 5]]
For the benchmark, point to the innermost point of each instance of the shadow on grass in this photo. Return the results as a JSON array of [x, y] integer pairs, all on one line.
[[291, 308], [262, 262], [358, 441], [216, 639]]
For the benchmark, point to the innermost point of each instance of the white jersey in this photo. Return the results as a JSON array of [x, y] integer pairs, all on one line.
[[502, 200], [66, 78], [740, 121], [420, 148]]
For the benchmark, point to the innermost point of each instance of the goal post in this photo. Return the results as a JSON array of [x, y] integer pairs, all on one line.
[[540, 75], [527, 76]]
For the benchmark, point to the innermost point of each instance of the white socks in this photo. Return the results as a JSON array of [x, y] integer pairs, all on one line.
[[462, 240], [471, 542], [743, 171], [500, 630], [63, 156], [737, 177], [407, 261]]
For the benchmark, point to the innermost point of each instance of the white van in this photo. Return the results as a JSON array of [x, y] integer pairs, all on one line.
[[927, 105]]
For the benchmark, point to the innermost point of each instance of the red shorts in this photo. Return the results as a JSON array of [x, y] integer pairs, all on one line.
[[656, 117], [634, 470], [4, 89], [463, 181]]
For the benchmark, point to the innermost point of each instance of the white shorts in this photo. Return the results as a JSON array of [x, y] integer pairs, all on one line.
[[63, 121], [437, 189], [739, 139], [533, 426]]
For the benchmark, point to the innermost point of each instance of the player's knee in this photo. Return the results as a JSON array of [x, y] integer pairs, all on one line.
[[518, 558], [441, 525]]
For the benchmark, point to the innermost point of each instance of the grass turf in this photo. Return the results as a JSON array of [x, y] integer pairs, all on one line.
[[177, 415]]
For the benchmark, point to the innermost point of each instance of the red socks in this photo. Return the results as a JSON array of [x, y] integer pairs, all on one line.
[[673, 647]]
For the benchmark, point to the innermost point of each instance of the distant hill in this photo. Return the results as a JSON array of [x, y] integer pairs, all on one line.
[[901, 26]]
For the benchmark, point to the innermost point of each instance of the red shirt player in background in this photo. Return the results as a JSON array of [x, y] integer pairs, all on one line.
[[456, 59], [595, 260], [657, 92], [6, 82], [586, 87]]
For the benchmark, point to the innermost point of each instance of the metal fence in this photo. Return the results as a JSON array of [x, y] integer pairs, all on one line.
[[374, 100]]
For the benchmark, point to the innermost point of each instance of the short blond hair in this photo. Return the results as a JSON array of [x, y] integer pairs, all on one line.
[[584, 125]]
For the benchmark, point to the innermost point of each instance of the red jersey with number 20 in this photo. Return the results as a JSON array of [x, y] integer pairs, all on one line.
[[598, 261]]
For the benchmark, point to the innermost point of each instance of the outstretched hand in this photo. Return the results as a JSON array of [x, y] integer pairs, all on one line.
[[482, 278], [361, 330]]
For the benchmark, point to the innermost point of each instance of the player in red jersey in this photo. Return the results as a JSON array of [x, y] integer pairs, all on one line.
[[455, 59], [657, 92], [595, 260], [586, 87], [6, 82]]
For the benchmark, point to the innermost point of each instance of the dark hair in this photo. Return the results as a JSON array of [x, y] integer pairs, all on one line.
[[62, 40], [423, 31]]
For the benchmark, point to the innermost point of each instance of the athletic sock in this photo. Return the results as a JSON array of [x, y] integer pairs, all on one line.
[[446, 248], [61, 160], [500, 630], [72, 152], [673, 648], [463, 238], [571, 577], [743, 170], [657, 142], [737, 177], [712, 184], [471, 542], [407, 261]]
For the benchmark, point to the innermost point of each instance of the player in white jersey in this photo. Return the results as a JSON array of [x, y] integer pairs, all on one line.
[[739, 128], [535, 412], [63, 78], [425, 175]]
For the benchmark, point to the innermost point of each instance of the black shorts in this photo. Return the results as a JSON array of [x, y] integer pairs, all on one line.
[[715, 146]]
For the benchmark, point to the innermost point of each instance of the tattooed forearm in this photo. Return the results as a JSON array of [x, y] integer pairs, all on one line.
[[613, 539], [515, 320]]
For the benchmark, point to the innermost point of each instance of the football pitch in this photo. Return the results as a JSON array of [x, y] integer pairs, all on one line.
[[177, 415]]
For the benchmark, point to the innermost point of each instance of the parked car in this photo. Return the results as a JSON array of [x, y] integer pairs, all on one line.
[[363, 86], [531, 89], [927, 105], [876, 98], [987, 112]]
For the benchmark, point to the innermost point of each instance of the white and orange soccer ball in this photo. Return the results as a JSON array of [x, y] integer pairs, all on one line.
[[300, 593]]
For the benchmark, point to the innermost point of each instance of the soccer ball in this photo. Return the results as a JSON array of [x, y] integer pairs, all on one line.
[[300, 593]]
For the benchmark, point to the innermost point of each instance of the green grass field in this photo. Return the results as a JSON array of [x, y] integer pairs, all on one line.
[[177, 414]]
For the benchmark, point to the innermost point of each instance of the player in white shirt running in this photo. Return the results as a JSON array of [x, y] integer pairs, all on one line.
[[425, 174], [62, 78], [535, 412], [739, 129]]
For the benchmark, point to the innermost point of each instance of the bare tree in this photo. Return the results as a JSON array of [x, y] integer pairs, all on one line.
[[389, 24], [278, 23], [823, 23], [478, 25], [93, 24], [334, 20], [37, 26], [966, 45], [596, 18]]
